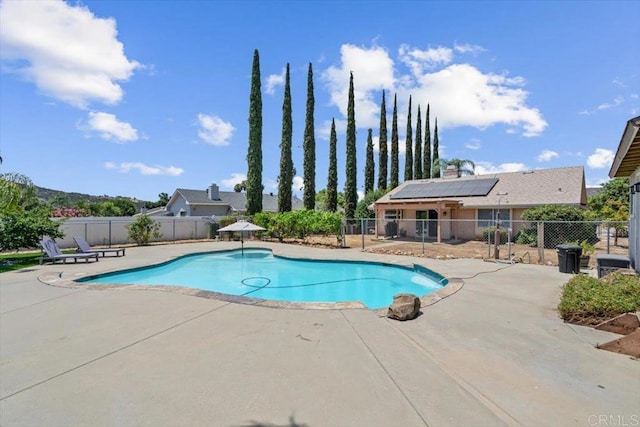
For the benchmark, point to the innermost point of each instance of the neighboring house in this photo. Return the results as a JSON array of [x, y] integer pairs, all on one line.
[[626, 163], [474, 200], [213, 202]]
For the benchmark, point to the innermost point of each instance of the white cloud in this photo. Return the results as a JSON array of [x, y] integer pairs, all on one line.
[[215, 131], [372, 71], [419, 60], [66, 51], [473, 144], [143, 169], [547, 155], [236, 178], [274, 80], [484, 168], [109, 127], [298, 184], [601, 158], [488, 98], [618, 100], [468, 48]]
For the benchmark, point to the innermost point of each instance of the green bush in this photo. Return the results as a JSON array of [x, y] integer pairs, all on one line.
[[588, 300], [143, 230], [504, 235], [19, 230], [562, 224], [300, 224], [528, 236]]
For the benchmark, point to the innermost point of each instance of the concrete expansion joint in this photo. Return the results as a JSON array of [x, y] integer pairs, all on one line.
[[496, 409], [387, 373]]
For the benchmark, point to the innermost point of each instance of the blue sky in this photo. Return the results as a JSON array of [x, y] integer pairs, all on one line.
[[135, 98]]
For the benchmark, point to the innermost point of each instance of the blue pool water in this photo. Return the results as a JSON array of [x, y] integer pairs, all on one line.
[[257, 273]]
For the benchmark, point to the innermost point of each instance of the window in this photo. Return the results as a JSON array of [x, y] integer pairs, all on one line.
[[392, 214], [487, 217]]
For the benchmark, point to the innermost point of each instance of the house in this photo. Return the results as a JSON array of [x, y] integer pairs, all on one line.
[[213, 202], [626, 163], [462, 207]]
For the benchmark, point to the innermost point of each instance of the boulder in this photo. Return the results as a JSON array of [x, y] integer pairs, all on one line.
[[404, 307]]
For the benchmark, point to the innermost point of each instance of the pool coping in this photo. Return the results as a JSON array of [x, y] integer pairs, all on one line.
[[56, 279]]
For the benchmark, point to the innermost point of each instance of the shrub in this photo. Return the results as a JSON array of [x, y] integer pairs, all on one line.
[[504, 235], [562, 224], [144, 229], [25, 229], [588, 300]]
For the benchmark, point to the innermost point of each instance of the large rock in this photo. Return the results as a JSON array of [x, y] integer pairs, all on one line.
[[404, 307]]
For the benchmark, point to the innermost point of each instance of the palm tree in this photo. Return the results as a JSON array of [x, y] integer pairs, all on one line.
[[463, 166]]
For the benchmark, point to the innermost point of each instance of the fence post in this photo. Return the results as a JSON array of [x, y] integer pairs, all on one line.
[[110, 233], [540, 242], [174, 230], [608, 237]]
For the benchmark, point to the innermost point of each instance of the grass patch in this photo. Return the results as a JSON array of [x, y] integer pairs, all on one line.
[[16, 261], [10, 262], [588, 301]]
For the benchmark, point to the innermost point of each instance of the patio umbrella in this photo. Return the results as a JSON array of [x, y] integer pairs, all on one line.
[[242, 226]]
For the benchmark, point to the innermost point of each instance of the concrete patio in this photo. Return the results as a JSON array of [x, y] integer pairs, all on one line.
[[494, 353]]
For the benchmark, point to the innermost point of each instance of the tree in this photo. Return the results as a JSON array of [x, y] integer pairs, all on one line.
[[163, 199], [309, 196], [417, 155], [322, 199], [17, 193], [363, 211], [383, 160], [436, 158], [332, 181], [241, 186], [126, 206], [426, 160], [25, 229], [395, 171], [254, 154], [23, 220], [408, 156], [461, 165], [350, 186], [369, 172], [144, 229], [615, 190], [285, 180]]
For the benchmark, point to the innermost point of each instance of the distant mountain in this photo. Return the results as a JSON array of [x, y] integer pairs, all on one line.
[[48, 195]]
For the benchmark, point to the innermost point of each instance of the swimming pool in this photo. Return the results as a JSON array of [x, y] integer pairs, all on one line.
[[257, 273]]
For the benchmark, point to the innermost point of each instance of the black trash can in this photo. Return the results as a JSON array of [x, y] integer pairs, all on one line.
[[569, 258]]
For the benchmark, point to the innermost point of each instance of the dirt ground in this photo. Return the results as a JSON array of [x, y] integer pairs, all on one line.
[[457, 249]]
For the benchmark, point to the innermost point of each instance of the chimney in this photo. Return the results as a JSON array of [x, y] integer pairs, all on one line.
[[451, 172], [214, 193]]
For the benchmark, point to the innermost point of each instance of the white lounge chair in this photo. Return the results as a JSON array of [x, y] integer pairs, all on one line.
[[53, 253], [85, 248]]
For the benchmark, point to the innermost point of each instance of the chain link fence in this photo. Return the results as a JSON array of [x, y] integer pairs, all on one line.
[[521, 241]]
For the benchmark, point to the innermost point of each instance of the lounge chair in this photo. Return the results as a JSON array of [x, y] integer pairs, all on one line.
[[84, 248], [53, 253]]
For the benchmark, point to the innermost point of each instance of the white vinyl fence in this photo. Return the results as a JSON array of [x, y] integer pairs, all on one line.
[[111, 231]]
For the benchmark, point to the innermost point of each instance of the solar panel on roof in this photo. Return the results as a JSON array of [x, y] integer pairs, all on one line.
[[462, 188]]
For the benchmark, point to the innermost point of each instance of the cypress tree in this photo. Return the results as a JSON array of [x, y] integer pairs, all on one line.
[[383, 159], [332, 181], [395, 170], [436, 157], [408, 156], [309, 197], [417, 172], [285, 180], [426, 161], [369, 173], [254, 154], [350, 186]]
